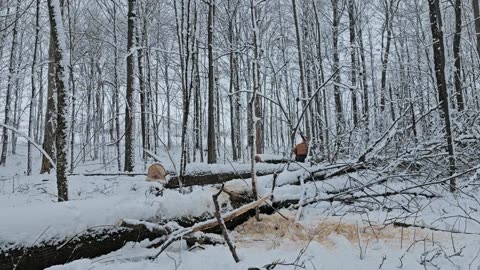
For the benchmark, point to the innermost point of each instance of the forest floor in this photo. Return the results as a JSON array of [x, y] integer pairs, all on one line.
[[327, 234]]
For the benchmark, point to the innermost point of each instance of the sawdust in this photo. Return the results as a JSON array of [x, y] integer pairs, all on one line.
[[275, 229]]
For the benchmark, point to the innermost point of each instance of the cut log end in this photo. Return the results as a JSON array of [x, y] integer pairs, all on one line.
[[157, 173]]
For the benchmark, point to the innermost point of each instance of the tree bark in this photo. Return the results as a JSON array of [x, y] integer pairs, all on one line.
[[212, 156], [336, 64], [61, 82], [353, 59], [476, 15], [50, 121], [439, 60], [129, 108], [140, 35], [457, 56], [32, 95], [386, 52]]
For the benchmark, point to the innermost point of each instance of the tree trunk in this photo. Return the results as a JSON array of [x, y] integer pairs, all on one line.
[[141, 82], [129, 108], [456, 55], [3, 157], [233, 73], [366, 113], [61, 82], [439, 60], [476, 15], [340, 121], [254, 118], [50, 121], [353, 59], [32, 96], [386, 54], [73, 99], [212, 157], [116, 94], [300, 58]]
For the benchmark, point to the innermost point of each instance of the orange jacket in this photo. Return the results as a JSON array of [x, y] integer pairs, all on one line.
[[301, 149]]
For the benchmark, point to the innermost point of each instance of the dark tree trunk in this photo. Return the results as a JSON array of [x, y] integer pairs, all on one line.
[[456, 55], [386, 53], [353, 59], [212, 156], [50, 122], [476, 15], [3, 158], [340, 121], [61, 82], [439, 60], [129, 115], [32, 95]]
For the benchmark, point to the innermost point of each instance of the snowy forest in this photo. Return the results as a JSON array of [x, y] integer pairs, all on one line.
[[239, 134]]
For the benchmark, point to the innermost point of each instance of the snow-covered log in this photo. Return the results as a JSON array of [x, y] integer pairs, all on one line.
[[211, 177], [89, 244], [100, 240]]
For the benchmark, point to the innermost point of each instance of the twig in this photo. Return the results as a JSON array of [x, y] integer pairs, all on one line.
[[222, 225]]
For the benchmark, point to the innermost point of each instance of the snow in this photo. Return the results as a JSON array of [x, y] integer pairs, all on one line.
[[30, 215], [338, 252], [61, 221]]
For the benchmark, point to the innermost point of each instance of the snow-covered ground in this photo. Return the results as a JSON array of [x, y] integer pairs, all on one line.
[[328, 235]]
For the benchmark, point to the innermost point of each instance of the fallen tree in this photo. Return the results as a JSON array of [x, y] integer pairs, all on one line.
[[210, 178], [89, 244], [102, 240]]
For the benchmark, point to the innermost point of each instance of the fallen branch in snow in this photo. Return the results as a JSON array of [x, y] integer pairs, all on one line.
[[211, 223], [149, 226], [406, 225], [31, 141], [167, 229], [221, 222], [107, 174]]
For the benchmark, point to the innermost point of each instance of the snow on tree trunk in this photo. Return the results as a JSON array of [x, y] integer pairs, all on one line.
[[61, 81], [129, 108]]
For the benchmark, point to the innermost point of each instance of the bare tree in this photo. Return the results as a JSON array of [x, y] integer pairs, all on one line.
[[353, 59], [61, 82], [476, 15], [340, 120], [129, 108], [456, 55], [439, 61], [31, 118], [212, 156], [11, 70]]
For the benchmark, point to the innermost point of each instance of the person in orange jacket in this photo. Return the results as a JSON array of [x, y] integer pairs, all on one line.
[[301, 150]]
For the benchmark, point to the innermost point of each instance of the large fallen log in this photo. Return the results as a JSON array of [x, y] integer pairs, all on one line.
[[211, 223], [210, 178], [102, 240], [90, 244]]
